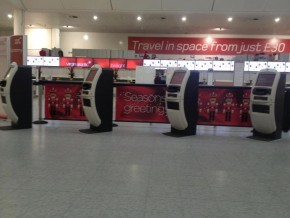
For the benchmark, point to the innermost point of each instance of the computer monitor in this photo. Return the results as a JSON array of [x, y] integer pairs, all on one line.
[[91, 75], [265, 80], [177, 77]]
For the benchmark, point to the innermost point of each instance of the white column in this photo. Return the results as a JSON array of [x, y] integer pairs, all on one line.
[[55, 38], [19, 22]]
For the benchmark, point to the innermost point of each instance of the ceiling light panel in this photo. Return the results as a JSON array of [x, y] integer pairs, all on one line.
[[187, 5], [87, 4], [42, 5], [136, 5], [239, 6], [277, 6]]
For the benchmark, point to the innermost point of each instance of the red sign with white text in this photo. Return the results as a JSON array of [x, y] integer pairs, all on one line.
[[216, 106], [16, 49], [117, 63], [133, 63], [84, 62], [103, 62], [68, 62], [201, 46], [141, 104]]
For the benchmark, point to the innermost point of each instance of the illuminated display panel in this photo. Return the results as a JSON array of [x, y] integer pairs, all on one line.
[[177, 77], [91, 75], [203, 65], [287, 67], [51, 61], [257, 65], [223, 65], [151, 63], [168, 63], [118, 63], [84, 62], [265, 80], [188, 64], [68, 62], [102, 62], [246, 66], [133, 63], [34, 61], [279, 66]]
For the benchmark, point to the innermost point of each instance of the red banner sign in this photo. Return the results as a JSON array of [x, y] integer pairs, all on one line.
[[63, 102], [16, 49], [133, 63], [202, 46], [84, 62], [141, 104], [103, 62], [224, 106], [216, 106], [68, 62], [117, 63]]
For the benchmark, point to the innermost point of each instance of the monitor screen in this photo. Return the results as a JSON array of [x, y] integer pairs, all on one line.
[[265, 80], [91, 75], [177, 77]]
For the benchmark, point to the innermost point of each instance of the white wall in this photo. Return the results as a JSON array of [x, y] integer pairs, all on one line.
[[119, 41], [110, 41], [37, 39], [6, 33], [44, 38]]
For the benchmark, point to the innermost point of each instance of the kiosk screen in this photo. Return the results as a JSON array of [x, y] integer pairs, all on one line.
[[265, 80], [91, 75], [177, 77]]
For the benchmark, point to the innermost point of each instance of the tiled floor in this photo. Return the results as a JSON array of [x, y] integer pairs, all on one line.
[[135, 171]]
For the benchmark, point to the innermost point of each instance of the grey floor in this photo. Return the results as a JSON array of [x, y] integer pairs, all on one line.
[[135, 171]]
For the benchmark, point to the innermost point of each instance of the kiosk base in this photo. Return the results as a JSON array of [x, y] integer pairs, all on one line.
[[181, 133], [98, 129], [5, 128], [40, 122], [265, 137]]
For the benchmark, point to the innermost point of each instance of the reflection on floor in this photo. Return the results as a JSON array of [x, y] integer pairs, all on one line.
[[135, 171]]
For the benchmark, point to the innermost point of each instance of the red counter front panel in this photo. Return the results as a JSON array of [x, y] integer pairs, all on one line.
[[63, 102], [218, 106]]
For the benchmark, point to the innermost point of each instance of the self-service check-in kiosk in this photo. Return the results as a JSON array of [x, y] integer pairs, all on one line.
[[16, 96], [182, 102], [97, 97], [267, 104]]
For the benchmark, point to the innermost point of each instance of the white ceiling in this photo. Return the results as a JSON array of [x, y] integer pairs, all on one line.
[[119, 16]]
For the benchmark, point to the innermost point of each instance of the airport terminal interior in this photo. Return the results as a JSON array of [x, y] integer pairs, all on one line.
[[129, 109]]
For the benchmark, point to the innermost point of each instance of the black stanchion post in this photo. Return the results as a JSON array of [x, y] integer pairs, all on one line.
[[40, 93]]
